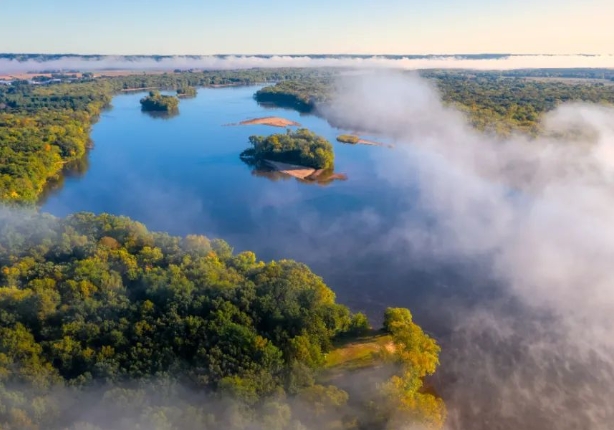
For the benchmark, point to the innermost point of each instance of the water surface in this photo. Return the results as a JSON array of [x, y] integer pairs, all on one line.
[[183, 175]]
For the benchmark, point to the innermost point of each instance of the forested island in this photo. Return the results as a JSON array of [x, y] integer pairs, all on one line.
[[105, 325], [156, 102], [301, 147], [348, 138]]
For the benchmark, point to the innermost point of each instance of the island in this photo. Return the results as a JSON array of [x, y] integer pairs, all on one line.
[[273, 121], [157, 102], [299, 148], [348, 138], [353, 139], [186, 92]]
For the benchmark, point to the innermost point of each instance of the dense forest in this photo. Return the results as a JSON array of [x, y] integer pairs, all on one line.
[[302, 95], [156, 102], [105, 325], [301, 147], [493, 101]]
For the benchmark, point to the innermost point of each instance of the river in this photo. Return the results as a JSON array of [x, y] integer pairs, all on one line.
[[183, 175]]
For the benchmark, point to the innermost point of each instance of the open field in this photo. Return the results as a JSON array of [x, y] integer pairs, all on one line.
[[358, 354]]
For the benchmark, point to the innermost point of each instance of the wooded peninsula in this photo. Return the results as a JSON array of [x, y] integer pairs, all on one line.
[[97, 310]]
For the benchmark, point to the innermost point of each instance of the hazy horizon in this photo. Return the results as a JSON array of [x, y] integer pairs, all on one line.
[[361, 26]]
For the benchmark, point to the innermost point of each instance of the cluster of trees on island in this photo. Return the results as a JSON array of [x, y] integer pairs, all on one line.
[[157, 102], [348, 138], [105, 325], [301, 147]]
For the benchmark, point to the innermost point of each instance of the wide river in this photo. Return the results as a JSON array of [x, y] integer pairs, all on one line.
[[183, 175]]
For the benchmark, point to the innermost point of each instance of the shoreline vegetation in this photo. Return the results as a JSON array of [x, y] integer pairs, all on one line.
[[187, 92], [96, 308], [500, 102]]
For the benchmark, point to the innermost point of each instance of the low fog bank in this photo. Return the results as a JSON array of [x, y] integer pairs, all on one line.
[[245, 61], [537, 213]]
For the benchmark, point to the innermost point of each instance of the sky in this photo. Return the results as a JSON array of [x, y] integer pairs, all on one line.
[[203, 27]]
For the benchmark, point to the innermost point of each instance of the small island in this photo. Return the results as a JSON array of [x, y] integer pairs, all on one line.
[[299, 148], [157, 102], [352, 139], [186, 92], [273, 121], [348, 138]]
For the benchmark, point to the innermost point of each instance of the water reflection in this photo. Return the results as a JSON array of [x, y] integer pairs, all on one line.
[[322, 177], [72, 170], [161, 115]]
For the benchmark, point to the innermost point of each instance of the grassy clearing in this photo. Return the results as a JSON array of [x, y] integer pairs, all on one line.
[[358, 353]]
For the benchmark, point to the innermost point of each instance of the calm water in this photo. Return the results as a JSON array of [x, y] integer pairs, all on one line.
[[183, 175]]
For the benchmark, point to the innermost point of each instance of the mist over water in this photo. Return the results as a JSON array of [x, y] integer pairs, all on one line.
[[502, 248], [537, 215]]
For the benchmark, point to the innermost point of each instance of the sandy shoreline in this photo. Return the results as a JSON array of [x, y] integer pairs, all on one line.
[[299, 172], [304, 173]]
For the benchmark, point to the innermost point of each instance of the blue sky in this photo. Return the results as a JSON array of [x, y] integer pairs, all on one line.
[[314, 26]]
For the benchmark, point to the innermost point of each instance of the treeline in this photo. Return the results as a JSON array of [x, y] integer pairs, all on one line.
[[172, 81], [44, 127], [186, 92], [302, 95], [507, 104], [105, 325], [495, 101]]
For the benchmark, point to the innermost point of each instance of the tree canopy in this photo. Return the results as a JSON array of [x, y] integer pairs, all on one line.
[[301, 147], [156, 102], [186, 92], [91, 300]]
